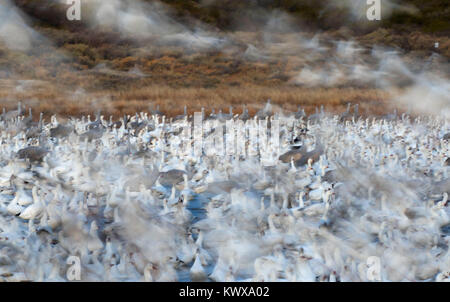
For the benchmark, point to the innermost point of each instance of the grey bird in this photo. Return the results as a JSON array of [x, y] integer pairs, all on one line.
[[33, 153], [171, 177], [295, 154], [61, 130]]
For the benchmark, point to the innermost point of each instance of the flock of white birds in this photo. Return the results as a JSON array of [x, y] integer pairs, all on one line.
[[117, 195]]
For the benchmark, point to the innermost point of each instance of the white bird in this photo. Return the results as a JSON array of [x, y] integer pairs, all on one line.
[[33, 210], [204, 256], [106, 184], [197, 272], [14, 208], [23, 199], [94, 243], [304, 272], [187, 192], [220, 270]]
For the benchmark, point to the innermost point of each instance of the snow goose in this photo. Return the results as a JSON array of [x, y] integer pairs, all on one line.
[[186, 252], [293, 169], [148, 273], [304, 272], [113, 274], [187, 192], [318, 209], [268, 268], [54, 275], [14, 208], [182, 216], [172, 200], [443, 276], [197, 272], [325, 221], [439, 213], [94, 243], [43, 223], [110, 253], [443, 202], [204, 256], [158, 190], [33, 210], [318, 189], [304, 179], [298, 211], [220, 270]]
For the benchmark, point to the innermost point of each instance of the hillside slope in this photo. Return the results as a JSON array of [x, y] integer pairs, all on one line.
[[204, 52]]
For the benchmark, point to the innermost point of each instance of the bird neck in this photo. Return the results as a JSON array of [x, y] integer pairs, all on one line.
[[301, 202]]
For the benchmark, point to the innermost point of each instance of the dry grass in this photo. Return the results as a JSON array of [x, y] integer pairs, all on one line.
[[47, 98]]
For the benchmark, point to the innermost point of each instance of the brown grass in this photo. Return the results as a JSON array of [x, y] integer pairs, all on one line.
[[49, 99]]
